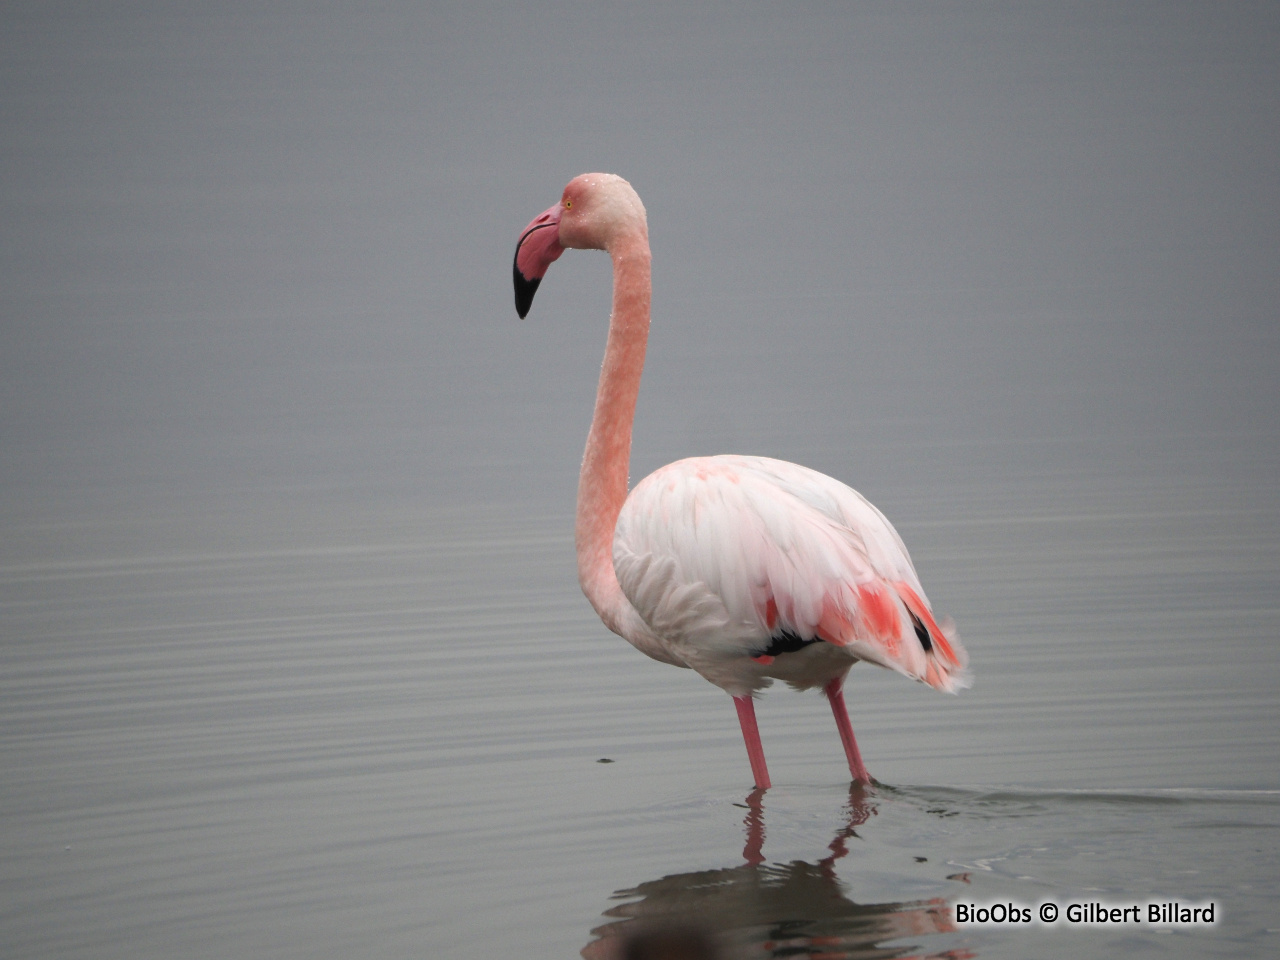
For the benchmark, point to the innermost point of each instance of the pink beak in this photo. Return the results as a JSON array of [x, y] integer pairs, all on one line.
[[538, 248]]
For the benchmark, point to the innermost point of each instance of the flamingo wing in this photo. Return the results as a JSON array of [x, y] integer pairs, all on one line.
[[746, 557]]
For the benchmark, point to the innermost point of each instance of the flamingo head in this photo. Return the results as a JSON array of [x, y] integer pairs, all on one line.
[[594, 210]]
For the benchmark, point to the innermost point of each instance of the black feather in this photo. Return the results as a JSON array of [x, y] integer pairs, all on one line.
[[921, 633], [785, 642]]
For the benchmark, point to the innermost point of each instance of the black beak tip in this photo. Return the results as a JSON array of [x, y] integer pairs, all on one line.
[[525, 289]]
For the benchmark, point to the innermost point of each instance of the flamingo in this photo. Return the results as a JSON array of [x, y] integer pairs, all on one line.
[[745, 569]]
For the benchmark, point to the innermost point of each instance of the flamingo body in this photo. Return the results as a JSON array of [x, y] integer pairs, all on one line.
[[746, 569], [751, 569]]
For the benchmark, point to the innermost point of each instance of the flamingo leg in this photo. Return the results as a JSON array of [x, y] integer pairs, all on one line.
[[751, 736], [835, 693]]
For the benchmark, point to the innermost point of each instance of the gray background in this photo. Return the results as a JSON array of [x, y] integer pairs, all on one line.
[[266, 245], [293, 661]]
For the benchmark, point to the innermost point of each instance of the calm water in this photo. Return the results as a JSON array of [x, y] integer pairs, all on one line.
[[293, 662], [319, 728]]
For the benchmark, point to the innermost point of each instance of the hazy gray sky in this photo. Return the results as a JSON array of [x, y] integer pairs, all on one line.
[[269, 243]]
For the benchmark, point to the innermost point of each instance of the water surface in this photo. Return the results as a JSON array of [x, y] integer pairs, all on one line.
[[323, 728]]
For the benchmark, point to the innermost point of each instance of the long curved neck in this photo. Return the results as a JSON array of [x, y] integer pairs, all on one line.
[[602, 485]]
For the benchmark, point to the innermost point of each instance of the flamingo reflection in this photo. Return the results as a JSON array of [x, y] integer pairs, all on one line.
[[760, 909]]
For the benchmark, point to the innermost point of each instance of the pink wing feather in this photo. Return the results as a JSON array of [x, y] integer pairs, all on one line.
[[719, 554]]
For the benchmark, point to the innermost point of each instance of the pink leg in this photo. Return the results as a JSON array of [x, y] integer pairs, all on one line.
[[751, 736], [835, 693]]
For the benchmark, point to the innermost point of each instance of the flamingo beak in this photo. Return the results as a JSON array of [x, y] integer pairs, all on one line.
[[538, 248]]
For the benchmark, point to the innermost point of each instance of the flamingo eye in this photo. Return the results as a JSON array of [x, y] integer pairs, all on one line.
[[568, 204]]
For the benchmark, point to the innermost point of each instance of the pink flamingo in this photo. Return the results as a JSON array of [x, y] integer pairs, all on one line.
[[746, 569]]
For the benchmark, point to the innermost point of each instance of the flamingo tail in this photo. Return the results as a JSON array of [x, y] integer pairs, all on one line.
[[946, 661]]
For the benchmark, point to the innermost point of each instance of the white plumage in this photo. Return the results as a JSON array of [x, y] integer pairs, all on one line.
[[719, 555]]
